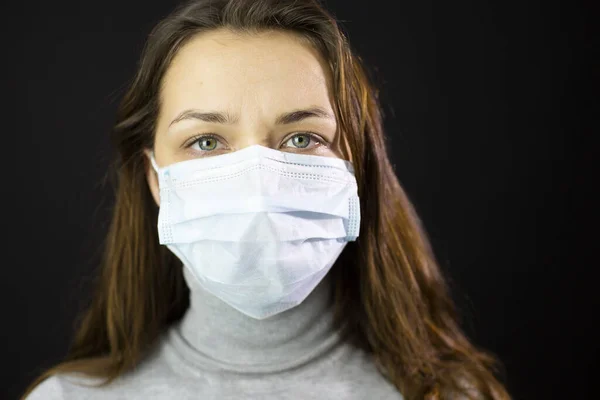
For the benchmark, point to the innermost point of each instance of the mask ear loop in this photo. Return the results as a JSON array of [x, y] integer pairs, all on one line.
[[153, 161]]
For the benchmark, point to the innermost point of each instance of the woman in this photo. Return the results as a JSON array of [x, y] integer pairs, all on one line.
[[292, 266]]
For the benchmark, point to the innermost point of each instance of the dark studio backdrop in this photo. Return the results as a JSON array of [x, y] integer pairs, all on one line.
[[487, 108]]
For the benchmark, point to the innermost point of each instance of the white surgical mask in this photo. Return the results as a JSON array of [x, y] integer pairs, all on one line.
[[258, 228]]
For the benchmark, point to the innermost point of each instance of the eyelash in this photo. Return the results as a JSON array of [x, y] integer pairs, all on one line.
[[312, 135]]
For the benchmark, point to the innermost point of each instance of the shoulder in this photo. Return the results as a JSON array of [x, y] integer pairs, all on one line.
[[356, 376], [49, 389], [63, 387], [151, 375]]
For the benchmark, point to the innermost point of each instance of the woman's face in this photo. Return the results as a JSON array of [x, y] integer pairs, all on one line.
[[224, 91]]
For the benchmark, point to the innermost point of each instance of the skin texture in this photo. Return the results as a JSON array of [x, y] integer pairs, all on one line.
[[253, 78]]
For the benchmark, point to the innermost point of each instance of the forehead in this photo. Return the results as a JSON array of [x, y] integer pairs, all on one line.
[[224, 70]]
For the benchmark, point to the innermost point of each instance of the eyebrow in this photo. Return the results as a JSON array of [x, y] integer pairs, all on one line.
[[229, 119]]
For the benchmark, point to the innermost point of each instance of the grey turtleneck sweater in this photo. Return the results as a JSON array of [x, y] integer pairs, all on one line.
[[216, 352]]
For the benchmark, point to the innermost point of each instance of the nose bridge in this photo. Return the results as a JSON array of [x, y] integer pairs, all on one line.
[[246, 138], [255, 125], [254, 129]]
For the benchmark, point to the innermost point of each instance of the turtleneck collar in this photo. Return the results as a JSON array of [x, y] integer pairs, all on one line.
[[221, 337]]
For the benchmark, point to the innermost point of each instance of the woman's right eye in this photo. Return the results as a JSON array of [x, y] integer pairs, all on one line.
[[206, 143]]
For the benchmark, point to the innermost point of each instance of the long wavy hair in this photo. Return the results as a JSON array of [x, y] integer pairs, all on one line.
[[390, 296]]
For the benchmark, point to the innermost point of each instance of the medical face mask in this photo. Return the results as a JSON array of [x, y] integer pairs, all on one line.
[[258, 228]]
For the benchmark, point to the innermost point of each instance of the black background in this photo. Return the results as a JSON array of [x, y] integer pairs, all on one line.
[[487, 108]]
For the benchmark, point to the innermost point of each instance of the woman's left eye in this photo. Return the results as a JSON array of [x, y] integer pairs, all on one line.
[[303, 141]]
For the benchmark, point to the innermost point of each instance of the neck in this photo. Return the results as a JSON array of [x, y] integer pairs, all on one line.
[[229, 339]]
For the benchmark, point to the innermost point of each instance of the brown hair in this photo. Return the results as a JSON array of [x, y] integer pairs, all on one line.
[[390, 296]]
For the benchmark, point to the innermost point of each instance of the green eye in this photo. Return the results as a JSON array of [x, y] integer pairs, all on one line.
[[301, 141], [207, 143]]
